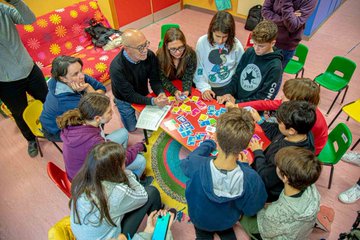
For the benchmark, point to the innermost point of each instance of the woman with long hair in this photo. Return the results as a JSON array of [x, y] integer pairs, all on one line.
[[218, 53], [81, 129], [177, 60], [106, 200]]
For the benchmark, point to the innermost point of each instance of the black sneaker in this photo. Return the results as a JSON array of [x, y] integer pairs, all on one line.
[[33, 149]]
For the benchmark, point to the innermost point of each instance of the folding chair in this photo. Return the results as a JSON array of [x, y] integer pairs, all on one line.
[[59, 177], [296, 64], [31, 116]]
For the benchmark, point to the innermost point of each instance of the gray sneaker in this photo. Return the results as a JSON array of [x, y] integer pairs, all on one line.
[[351, 195], [352, 157], [33, 149]]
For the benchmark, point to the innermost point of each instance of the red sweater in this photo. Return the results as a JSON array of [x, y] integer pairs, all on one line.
[[319, 130]]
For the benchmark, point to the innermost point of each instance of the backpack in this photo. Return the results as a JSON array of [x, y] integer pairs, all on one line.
[[100, 35], [253, 18]]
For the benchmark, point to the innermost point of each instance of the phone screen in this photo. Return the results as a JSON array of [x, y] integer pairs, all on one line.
[[161, 227]]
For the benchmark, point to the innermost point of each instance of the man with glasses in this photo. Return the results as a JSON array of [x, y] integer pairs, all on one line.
[[130, 71]]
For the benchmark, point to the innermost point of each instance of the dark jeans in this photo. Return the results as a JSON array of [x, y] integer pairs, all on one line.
[[13, 94], [132, 220], [227, 234]]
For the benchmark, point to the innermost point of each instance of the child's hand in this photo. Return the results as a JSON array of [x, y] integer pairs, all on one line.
[[255, 115], [243, 158], [231, 105], [255, 144]]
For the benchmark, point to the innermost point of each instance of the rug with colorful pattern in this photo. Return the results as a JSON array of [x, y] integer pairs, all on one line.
[[164, 155]]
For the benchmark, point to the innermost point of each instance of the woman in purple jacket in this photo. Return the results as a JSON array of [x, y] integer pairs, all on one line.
[[81, 129]]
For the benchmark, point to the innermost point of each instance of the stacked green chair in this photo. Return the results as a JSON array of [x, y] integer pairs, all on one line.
[[332, 80], [164, 29], [295, 65], [339, 141]]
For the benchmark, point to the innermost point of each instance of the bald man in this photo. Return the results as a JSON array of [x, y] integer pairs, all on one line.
[[130, 71]]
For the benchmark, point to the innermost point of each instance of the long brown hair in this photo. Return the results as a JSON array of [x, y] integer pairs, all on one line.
[[103, 163], [90, 105], [222, 22], [165, 59]]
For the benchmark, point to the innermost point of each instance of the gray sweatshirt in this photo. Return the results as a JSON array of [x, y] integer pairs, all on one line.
[[15, 61]]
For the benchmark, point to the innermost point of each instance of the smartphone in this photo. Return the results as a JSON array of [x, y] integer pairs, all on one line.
[[161, 227]]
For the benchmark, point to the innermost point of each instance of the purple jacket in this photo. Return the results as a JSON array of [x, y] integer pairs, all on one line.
[[79, 140], [290, 26]]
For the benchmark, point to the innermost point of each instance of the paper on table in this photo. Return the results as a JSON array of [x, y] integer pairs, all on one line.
[[151, 117]]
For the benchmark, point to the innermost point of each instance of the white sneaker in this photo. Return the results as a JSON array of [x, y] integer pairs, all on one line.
[[351, 195], [352, 157]]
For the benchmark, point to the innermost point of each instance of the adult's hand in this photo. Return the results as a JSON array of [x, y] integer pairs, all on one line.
[[225, 98], [177, 95], [79, 87], [208, 95], [161, 100], [231, 105]]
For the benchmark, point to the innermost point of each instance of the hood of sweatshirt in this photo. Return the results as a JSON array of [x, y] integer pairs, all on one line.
[[76, 136]]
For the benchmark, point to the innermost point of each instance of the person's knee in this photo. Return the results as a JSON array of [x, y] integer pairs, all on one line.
[[153, 196]]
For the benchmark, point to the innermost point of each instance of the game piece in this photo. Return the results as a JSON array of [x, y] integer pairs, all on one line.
[[183, 106], [188, 109], [170, 124], [222, 110], [200, 104], [203, 117], [175, 110], [256, 137], [186, 100], [204, 123], [182, 97], [182, 119], [191, 141], [212, 121], [195, 112], [210, 129], [195, 98], [171, 99]]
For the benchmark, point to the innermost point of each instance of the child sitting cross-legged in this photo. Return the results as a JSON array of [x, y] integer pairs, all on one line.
[[293, 215], [295, 120], [219, 191]]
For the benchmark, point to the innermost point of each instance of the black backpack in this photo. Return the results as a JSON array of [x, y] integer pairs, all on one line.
[[254, 17], [100, 35]]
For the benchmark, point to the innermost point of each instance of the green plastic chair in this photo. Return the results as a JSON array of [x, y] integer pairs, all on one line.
[[331, 79], [164, 29], [296, 65], [339, 141]]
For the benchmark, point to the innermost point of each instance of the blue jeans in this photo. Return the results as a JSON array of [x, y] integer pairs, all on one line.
[[287, 55], [127, 114], [138, 165], [119, 136]]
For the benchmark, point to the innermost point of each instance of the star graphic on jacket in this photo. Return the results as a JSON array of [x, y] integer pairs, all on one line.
[[249, 77]]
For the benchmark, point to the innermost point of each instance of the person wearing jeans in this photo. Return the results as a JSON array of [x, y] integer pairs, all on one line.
[[130, 71], [18, 72]]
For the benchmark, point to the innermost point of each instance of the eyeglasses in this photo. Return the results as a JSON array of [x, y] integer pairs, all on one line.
[[174, 50], [142, 48]]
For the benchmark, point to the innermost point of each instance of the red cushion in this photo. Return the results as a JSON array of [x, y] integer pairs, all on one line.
[[96, 62], [60, 32]]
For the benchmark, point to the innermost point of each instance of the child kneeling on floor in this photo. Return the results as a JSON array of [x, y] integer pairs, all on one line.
[[293, 215], [223, 189]]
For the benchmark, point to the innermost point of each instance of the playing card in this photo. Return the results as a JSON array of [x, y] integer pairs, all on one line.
[[182, 119], [210, 129], [195, 112], [200, 104], [256, 137], [191, 141], [195, 98]]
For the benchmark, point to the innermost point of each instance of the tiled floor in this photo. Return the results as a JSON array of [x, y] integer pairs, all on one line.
[[30, 203]]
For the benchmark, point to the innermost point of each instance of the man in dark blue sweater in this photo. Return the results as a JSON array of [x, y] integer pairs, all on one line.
[[221, 190], [130, 71]]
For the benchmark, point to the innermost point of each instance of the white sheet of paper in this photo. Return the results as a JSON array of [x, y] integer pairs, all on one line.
[[150, 118]]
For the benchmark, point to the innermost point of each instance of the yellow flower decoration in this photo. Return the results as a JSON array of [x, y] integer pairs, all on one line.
[[55, 18], [88, 71], [101, 67], [28, 28], [42, 23], [74, 14], [90, 59], [60, 31], [98, 16], [55, 49], [93, 5], [68, 45], [84, 8]]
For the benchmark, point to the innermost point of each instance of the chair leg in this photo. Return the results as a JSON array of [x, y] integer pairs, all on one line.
[[39, 148], [346, 89], [335, 118], [146, 137], [57, 146], [357, 142], [333, 102], [302, 72], [331, 176]]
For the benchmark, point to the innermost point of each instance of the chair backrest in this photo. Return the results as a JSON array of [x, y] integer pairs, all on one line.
[[59, 177], [301, 52], [164, 29], [343, 65], [61, 230], [339, 141], [31, 116]]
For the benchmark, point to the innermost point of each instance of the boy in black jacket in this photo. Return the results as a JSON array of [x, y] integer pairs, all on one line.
[[295, 120]]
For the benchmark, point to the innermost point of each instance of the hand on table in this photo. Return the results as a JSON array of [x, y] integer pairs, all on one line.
[[161, 100], [225, 98], [243, 158], [255, 144], [256, 116], [178, 95], [208, 95]]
